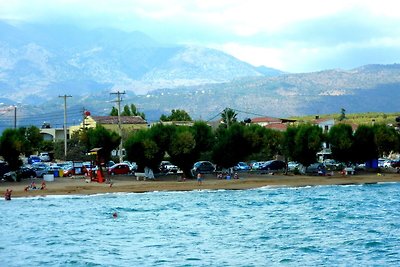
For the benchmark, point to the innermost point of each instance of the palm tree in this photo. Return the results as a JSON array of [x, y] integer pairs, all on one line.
[[228, 116]]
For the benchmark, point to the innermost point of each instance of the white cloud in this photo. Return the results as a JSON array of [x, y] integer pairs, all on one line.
[[257, 31], [255, 55]]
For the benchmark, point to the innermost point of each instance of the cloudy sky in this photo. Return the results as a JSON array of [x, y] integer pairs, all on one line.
[[291, 35]]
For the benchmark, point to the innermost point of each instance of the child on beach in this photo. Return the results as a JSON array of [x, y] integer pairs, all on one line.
[[7, 194], [43, 187], [199, 179]]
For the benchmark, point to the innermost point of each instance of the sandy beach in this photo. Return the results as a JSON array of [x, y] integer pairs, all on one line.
[[82, 185]]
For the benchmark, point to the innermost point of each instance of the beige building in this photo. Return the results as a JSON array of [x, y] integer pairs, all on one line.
[[128, 123]]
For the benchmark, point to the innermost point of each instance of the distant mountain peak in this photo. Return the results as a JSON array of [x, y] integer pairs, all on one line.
[[42, 58]]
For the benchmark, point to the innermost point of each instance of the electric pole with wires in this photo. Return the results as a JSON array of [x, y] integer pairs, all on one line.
[[119, 100]]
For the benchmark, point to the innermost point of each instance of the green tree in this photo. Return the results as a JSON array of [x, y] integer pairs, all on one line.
[[33, 138], [289, 143], [176, 115], [308, 141], [341, 138], [228, 116], [101, 137], [142, 148], [128, 111], [386, 139], [182, 149], [231, 146], [364, 146], [342, 114], [204, 138], [11, 146], [114, 112], [264, 144], [76, 150], [135, 112], [47, 145]]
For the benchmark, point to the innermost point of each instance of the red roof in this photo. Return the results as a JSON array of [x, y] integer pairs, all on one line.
[[114, 119], [266, 119], [353, 125], [318, 121], [277, 126]]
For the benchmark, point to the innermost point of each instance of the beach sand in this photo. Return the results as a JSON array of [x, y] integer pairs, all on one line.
[[82, 185]]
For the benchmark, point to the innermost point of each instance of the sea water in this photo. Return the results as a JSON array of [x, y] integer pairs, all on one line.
[[356, 225]]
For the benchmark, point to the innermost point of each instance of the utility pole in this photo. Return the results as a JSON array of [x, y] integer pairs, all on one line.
[[15, 117], [65, 124], [118, 93]]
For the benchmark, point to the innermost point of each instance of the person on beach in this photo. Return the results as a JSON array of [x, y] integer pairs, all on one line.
[[199, 179], [33, 185], [43, 187], [7, 194]]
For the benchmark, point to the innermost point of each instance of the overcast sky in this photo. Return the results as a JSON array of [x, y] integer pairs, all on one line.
[[291, 35]]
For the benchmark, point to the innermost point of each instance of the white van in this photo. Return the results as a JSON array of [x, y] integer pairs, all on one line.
[[44, 156]]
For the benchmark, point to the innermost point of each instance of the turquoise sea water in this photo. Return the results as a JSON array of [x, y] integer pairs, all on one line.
[[310, 226]]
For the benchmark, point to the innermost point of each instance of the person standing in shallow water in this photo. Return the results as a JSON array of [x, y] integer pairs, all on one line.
[[7, 194], [199, 179]]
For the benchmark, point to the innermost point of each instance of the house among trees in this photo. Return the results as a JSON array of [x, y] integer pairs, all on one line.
[[326, 123], [128, 123], [273, 123]]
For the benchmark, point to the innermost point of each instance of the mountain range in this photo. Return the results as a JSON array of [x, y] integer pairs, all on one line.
[[38, 63]]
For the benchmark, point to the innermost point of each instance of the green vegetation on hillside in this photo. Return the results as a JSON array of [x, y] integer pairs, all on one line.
[[368, 118]]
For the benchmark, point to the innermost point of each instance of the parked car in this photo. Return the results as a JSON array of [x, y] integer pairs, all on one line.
[[202, 167], [39, 164], [119, 168], [273, 165], [33, 158], [257, 165], [395, 164], [44, 156], [3, 168], [40, 171], [381, 161], [293, 165], [88, 167], [132, 165], [167, 166], [110, 163], [387, 163], [241, 166], [21, 173], [68, 171], [26, 172], [316, 168]]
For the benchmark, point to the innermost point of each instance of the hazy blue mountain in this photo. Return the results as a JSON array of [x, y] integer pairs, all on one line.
[[269, 72], [46, 60]]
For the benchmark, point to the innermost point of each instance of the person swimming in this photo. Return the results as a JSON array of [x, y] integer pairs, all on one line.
[[7, 194]]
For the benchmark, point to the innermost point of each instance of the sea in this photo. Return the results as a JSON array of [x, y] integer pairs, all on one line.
[[345, 225]]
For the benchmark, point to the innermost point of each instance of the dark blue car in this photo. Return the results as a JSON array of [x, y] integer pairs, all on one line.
[[273, 165], [33, 159]]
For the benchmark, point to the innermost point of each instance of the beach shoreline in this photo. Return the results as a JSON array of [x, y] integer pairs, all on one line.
[[130, 184]]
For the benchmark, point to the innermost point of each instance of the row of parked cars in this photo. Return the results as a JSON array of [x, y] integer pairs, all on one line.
[[38, 169], [388, 163]]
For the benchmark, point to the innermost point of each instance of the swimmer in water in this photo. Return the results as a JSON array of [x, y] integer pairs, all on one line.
[[7, 194], [115, 215]]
